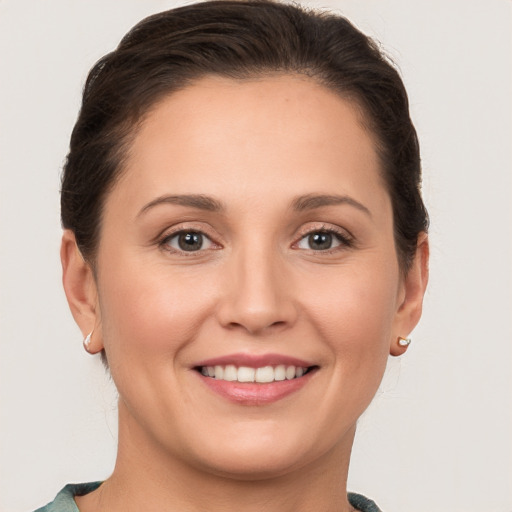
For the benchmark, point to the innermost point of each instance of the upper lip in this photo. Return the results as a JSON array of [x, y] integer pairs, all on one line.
[[255, 360]]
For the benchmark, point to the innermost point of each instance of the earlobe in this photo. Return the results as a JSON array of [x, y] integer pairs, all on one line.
[[414, 286], [80, 288]]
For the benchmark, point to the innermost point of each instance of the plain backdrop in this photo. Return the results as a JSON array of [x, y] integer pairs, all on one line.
[[438, 436]]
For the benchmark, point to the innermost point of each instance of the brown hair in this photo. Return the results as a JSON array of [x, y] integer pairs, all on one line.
[[236, 39]]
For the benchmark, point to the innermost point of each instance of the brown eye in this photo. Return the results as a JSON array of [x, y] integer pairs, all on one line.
[[188, 241], [320, 241]]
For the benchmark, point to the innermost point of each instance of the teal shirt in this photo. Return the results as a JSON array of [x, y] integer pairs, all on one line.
[[65, 502]]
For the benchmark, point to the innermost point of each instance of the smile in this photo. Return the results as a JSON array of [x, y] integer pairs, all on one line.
[[255, 379], [262, 375]]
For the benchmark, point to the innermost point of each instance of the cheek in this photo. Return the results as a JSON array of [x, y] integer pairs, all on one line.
[[355, 313], [152, 314]]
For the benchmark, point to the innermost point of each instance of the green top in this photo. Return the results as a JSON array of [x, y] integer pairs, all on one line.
[[64, 501]]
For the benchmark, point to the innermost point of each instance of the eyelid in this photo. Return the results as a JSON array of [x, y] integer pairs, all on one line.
[[343, 235], [346, 239], [186, 227], [169, 245]]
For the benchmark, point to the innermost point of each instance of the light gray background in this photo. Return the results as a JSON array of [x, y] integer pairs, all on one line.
[[438, 437]]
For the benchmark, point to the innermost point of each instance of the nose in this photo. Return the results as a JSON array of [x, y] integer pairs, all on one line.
[[257, 295]]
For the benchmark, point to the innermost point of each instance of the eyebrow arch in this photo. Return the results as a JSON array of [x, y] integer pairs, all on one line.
[[198, 201], [312, 201], [300, 204]]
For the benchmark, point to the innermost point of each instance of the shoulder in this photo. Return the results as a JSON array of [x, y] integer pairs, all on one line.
[[65, 502], [362, 503]]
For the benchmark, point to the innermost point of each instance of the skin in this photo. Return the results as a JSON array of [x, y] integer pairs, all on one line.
[[255, 146]]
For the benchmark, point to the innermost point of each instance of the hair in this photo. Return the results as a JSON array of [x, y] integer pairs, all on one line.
[[237, 39]]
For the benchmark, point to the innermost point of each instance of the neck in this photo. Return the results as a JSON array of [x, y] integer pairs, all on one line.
[[146, 477]]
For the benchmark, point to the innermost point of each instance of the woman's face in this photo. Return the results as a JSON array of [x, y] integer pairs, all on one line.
[[250, 229]]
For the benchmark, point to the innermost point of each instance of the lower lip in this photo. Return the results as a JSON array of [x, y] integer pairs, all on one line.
[[250, 393]]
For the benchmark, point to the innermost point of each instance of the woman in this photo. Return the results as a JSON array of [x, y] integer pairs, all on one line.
[[245, 243]]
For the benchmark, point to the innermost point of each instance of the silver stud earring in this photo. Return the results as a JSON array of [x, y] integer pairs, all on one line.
[[404, 342], [87, 341]]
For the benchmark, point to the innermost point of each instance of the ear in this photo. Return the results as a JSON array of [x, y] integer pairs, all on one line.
[[81, 292], [412, 291]]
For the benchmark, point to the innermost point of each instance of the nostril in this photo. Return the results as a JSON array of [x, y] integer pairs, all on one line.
[[255, 312], [257, 327]]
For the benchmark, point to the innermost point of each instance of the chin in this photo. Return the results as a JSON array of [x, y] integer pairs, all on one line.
[[261, 456], [253, 467]]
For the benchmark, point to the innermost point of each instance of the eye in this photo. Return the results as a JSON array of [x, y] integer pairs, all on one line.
[[188, 241], [323, 240]]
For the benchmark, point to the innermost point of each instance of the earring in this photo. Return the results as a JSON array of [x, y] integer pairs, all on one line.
[[404, 342], [87, 341]]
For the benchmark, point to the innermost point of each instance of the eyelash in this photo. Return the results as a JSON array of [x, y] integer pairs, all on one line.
[[163, 242], [346, 240]]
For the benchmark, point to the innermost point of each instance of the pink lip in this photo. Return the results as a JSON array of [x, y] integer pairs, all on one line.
[[254, 360], [251, 393]]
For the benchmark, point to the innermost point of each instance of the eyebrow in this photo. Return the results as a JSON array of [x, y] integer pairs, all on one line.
[[299, 204], [199, 201], [312, 201]]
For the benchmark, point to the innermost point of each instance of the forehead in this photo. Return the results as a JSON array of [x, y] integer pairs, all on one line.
[[246, 138]]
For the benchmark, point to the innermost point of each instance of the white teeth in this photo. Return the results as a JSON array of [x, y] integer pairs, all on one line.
[[230, 372], [262, 375], [265, 374], [246, 374], [290, 372], [219, 372], [280, 372]]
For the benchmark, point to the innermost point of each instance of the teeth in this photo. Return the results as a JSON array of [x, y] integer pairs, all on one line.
[[290, 372], [265, 374], [261, 375], [280, 372], [246, 374], [219, 372], [230, 372]]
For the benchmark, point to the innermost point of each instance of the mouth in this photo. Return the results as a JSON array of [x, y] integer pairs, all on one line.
[[261, 375], [255, 379]]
